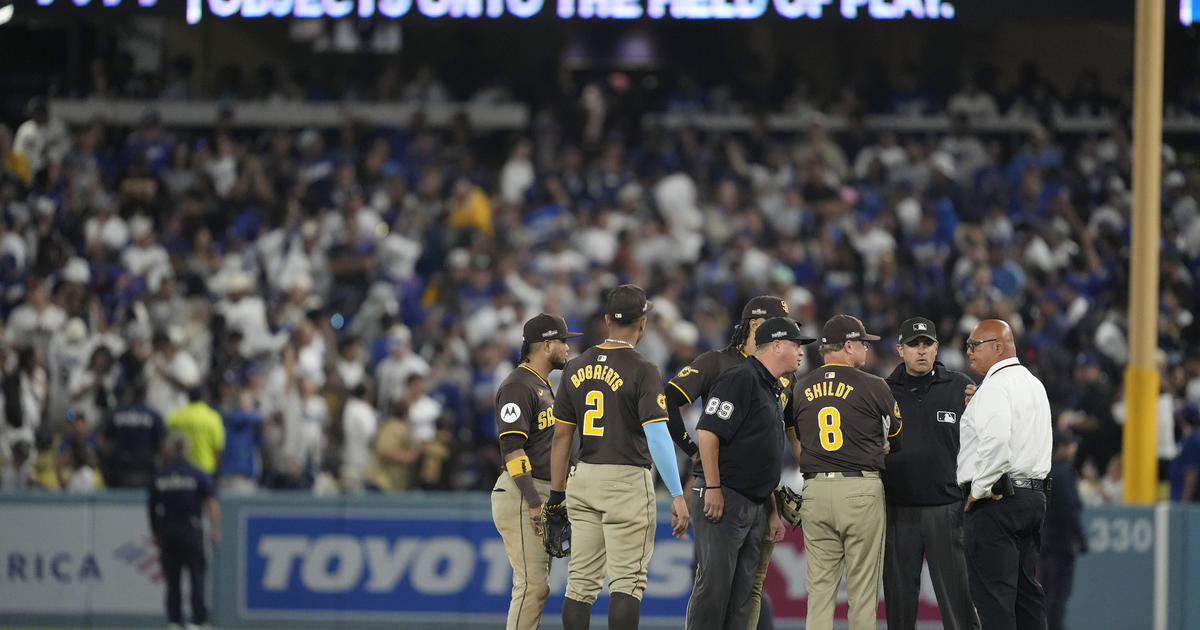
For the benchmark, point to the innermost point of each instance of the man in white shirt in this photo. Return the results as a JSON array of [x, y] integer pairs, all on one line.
[[170, 373], [1003, 461], [359, 423], [41, 139]]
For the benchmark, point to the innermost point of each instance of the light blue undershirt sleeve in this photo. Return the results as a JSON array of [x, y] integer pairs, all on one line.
[[662, 451]]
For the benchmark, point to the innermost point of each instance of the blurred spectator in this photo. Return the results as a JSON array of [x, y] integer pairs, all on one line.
[[92, 388], [359, 424], [43, 140], [394, 455], [305, 414], [435, 460], [77, 461], [1185, 468], [34, 322], [241, 462], [203, 428], [972, 102], [25, 397], [392, 374], [13, 165], [1062, 534], [170, 373], [129, 439], [17, 472], [423, 410]]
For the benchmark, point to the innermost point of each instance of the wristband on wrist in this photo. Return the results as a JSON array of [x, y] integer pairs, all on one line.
[[556, 497], [717, 487]]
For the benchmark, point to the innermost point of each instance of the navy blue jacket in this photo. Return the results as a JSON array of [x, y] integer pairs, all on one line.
[[926, 471], [177, 494]]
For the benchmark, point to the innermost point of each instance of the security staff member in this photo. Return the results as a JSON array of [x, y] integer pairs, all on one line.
[[924, 504], [179, 491], [844, 417], [694, 382], [614, 398], [1063, 539], [524, 422], [130, 437], [1002, 466], [741, 444]]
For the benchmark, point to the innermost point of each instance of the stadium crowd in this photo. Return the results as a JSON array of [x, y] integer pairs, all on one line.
[[346, 303]]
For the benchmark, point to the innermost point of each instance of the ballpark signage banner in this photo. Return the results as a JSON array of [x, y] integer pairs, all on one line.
[[296, 566], [304, 565], [63, 559], [197, 10]]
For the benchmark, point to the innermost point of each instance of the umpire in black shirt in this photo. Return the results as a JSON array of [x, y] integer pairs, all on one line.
[[741, 447], [179, 492], [924, 504]]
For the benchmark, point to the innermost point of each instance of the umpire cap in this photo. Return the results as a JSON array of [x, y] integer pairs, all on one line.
[[627, 303], [764, 306], [778, 328], [915, 328], [543, 327], [843, 328]]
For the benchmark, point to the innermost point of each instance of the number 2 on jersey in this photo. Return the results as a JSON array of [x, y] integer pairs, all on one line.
[[830, 420], [595, 402]]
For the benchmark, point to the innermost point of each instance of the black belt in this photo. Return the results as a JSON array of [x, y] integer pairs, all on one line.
[[1032, 484], [1027, 483], [837, 473]]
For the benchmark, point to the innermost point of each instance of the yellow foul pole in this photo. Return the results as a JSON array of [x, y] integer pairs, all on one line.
[[1141, 376]]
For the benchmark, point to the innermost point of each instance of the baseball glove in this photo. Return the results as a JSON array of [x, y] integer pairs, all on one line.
[[557, 536], [788, 504]]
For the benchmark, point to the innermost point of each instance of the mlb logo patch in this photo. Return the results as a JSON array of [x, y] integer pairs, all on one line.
[[949, 417], [831, 375]]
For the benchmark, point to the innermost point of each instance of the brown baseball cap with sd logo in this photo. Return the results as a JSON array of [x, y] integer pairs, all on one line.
[[543, 327], [764, 306], [843, 328]]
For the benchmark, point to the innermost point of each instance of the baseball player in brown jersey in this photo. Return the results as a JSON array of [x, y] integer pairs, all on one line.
[[525, 423], [614, 398], [843, 418], [694, 382]]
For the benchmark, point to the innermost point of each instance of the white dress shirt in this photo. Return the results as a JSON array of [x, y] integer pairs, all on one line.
[[1005, 429]]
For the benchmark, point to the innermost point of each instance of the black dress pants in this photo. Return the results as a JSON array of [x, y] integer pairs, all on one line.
[[935, 533], [179, 551], [1058, 575], [1002, 539]]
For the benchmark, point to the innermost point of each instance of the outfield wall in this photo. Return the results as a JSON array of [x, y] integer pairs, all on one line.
[[291, 560]]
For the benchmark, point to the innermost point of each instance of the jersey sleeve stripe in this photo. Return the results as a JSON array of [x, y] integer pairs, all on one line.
[[663, 419], [516, 432], [689, 398]]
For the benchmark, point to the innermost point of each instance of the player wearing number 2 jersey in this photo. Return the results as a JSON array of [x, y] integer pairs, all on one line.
[[844, 417], [613, 398]]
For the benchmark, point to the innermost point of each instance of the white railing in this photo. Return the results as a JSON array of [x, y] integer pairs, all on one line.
[[289, 114], [905, 124]]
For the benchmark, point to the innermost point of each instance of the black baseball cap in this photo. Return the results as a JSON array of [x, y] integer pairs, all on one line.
[[843, 328], [627, 303], [543, 327], [778, 328], [915, 327], [764, 306]]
